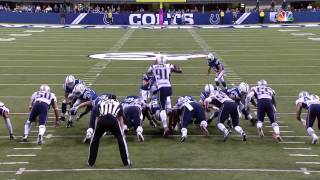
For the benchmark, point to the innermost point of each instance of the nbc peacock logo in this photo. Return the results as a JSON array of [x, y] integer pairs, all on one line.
[[285, 16]]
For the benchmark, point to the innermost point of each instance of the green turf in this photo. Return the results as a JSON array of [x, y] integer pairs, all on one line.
[[289, 63]]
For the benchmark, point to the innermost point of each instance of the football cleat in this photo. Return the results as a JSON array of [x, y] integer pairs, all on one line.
[[152, 124], [183, 138], [24, 138], [244, 136], [225, 136], [278, 138], [40, 140], [260, 132], [140, 137], [314, 140], [62, 118], [69, 124], [86, 140], [11, 136], [204, 131], [166, 132]]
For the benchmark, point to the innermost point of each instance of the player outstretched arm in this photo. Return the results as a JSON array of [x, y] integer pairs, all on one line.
[[298, 111], [176, 69]]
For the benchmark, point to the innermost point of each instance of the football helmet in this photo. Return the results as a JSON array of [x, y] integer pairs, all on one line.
[[44, 87]]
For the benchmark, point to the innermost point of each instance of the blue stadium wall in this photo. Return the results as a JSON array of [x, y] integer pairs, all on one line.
[[148, 18]]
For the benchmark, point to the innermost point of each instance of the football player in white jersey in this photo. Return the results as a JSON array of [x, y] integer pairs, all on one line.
[[312, 104], [4, 112], [40, 103], [162, 71], [266, 104], [228, 108]]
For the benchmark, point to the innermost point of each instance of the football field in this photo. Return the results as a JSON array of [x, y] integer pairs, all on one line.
[[287, 58]]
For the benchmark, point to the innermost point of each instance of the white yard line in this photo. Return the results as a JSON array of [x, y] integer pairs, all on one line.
[[28, 148], [20, 171], [170, 169], [308, 163], [21, 155], [13, 163], [304, 155], [292, 142], [296, 148]]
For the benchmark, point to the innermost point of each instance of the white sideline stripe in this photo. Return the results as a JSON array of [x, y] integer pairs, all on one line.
[[79, 18], [13, 163], [291, 142], [21, 155], [168, 169], [288, 30], [20, 171], [307, 162], [288, 148], [30, 148], [304, 155], [305, 171]]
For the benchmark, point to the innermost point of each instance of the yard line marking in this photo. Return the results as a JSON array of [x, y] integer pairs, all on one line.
[[279, 126], [288, 148], [170, 169], [29, 142], [284, 131], [307, 162], [49, 136], [305, 171], [34, 31], [304, 155], [36, 131], [20, 171], [302, 34], [7, 39], [291, 142], [288, 30], [13, 163], [20, 35], [30, 148], [21, 155]]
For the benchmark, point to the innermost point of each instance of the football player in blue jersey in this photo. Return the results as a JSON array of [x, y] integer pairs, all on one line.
[[227, 108], [187, 109], [132, 110], [147, 81], [68, 86], [266, 104], [215, 64], [238, 94], [83, 94], [4, 112], [312, 104], [40, 102]]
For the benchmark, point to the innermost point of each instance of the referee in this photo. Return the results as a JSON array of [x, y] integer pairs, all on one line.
[[109, 118]]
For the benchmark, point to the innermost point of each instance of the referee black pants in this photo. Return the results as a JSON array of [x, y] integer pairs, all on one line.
[[108, 123]]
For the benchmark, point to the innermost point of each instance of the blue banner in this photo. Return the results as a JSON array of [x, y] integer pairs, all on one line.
[[152, 18]]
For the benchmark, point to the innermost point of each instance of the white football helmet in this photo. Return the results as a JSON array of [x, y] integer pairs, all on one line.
[[303, 94], [70, 81], [44, 87], [244, 87], [1, 104], [79, 89], [161, 59], [209, 88], [262, 82], [210, 56]]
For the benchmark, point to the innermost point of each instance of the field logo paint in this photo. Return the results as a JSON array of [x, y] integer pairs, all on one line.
[[145, 56]]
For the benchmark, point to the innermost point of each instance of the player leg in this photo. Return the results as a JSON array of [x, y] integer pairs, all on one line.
[[260, 118], [221, 79], [186, 119], [271, 113], [123, 148], [223, 116], [43, 116], [163, 93], [201, 117], [100, 129], [234, 113], [63, 110], [8, 124], [32, 117], [310, 120]]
